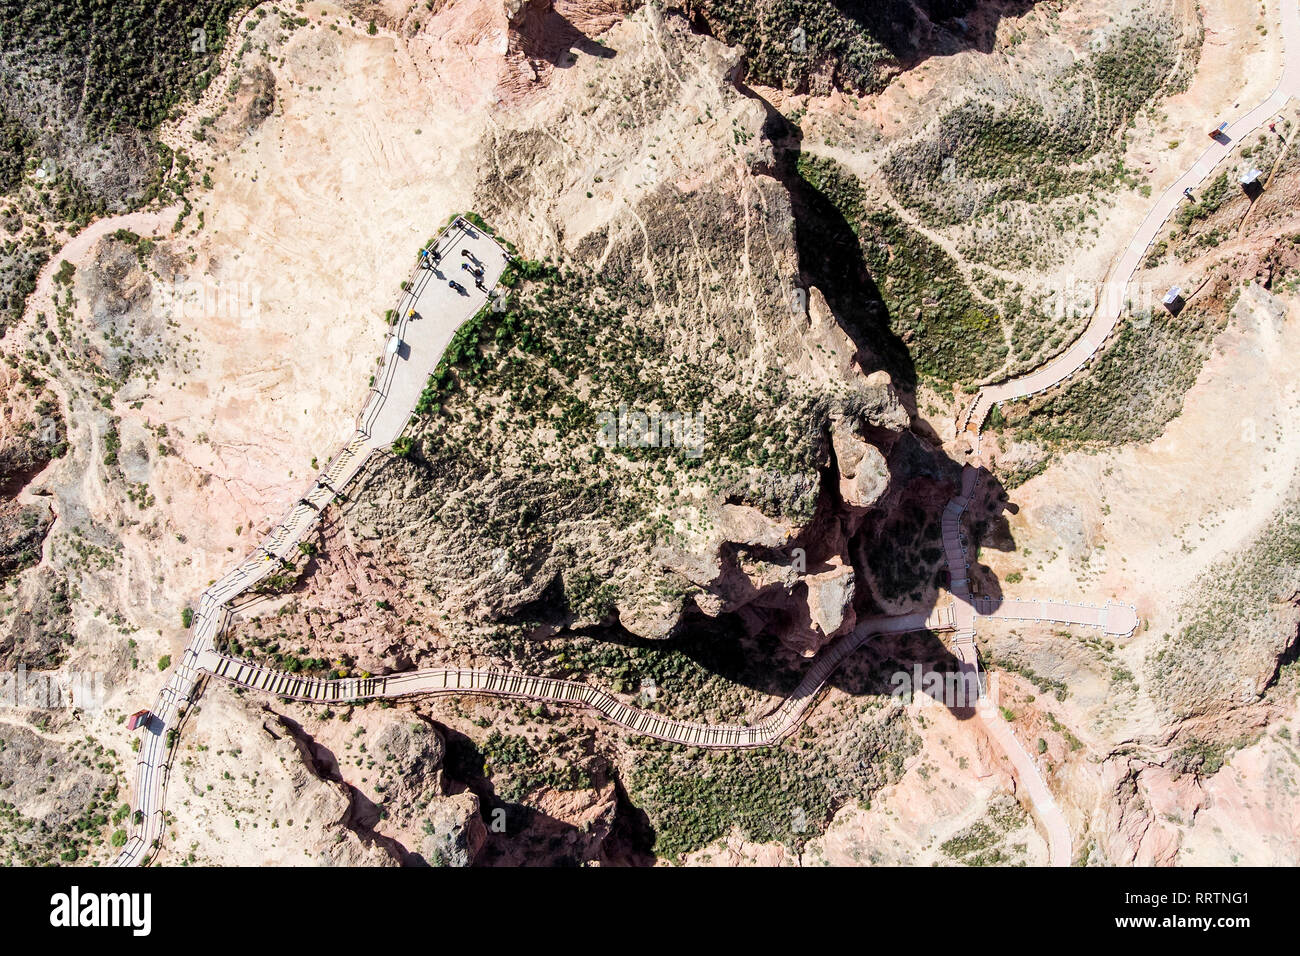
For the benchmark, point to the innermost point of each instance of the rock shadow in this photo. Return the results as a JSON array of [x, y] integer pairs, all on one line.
[[543, 33], [913, 33]]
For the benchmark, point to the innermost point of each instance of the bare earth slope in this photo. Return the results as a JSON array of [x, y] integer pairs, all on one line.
[[809, 276]]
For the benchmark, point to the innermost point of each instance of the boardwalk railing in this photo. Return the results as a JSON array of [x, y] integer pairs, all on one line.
[[153, 765], [501, 683]]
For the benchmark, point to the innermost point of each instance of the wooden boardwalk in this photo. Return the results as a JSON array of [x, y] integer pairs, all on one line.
[[503, 683], [385, 416], [1115, 619], [1113, 296], [429, 311]]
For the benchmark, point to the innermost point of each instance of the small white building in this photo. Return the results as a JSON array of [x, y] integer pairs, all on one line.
[[1250, 177], [1172, 296]]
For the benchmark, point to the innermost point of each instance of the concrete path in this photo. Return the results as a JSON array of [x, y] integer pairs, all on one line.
[[1111, 304], [429, 311], [967, 610], [1059, 843], [1115, 619]]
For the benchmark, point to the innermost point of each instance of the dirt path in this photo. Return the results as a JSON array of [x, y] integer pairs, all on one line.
[[1112, 299]]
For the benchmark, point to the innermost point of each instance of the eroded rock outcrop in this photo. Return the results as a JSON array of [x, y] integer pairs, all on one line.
[[863, 470], [511, 512], [392, 764], [32, 431], [53, 797]]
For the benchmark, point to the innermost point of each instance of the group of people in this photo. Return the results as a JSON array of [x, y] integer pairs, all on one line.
[[432, 257], [473, 267]]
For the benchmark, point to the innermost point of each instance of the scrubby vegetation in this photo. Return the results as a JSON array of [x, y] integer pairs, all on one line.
[[1015, 174], [518, 768], [786, 40], [511, 768], [83, 86], [985, 842], [1230, 642], [710, 673], [1057, 688], [822, 44], [949, 332], [34, 829], [786, 793], [125, 65], [1212, 214], [536, 402], [573, 324], [267, 642], [907, 552], [15, 141], [1132, 390]]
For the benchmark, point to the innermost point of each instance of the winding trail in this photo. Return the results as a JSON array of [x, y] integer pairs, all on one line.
[[957, 616], [429, 311], [412, 350], [967, 611], [145, 223], [1112, 618], [499, 683], [1111, 301]]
